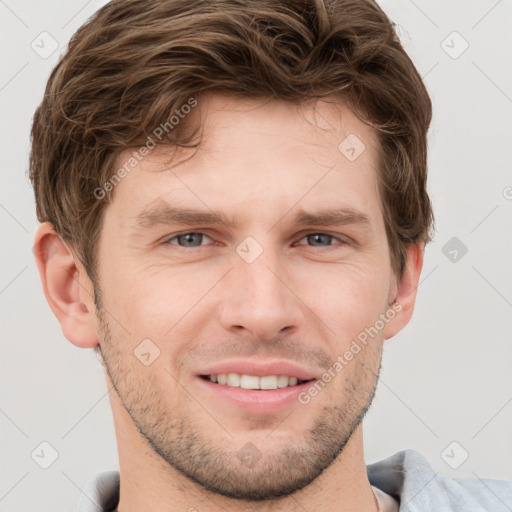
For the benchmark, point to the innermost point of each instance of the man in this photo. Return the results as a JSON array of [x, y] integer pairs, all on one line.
[[234, 208]]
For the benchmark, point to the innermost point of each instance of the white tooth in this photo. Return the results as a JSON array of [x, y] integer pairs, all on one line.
[[282, 381], [249, 382], [268, 382], [233, 380], [253, 382]]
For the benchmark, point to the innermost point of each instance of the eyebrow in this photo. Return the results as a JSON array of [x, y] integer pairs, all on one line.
[[164, 214], [337, 217]]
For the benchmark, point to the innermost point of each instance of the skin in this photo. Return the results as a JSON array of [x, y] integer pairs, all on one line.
[[303, 300]]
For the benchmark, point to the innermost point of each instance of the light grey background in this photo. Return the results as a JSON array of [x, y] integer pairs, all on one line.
[[445, 378]]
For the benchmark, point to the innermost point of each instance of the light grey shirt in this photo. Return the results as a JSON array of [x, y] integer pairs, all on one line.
[[406, 477]]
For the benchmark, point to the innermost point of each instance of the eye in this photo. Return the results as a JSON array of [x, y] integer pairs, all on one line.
[[322, 240], [191, 239]]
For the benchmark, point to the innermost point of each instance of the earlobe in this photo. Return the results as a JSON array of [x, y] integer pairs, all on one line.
[[67, 288], [405, 296]]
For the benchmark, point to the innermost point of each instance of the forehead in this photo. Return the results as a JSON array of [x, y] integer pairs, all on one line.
[[269, 154]]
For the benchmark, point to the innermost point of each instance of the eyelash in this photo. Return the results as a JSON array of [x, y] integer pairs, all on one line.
[[333, 237]]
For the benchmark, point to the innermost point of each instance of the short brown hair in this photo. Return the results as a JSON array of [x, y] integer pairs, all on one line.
[[130, 66]]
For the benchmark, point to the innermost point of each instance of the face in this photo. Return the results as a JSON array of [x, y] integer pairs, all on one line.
[[262, 256]]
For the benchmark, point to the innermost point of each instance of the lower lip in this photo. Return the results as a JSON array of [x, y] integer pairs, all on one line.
[[255, 400]]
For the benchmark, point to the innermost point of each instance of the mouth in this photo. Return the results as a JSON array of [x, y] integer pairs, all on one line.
[[253, 394], [255, 386], [254, 382]]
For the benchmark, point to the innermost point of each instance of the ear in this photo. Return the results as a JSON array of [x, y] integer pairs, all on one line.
[[67, 288], [403, 294]]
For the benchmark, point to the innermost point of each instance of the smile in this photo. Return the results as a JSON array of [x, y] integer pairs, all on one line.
[[266, 382]]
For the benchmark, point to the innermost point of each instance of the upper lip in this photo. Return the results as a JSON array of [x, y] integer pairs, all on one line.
[[259, 368]]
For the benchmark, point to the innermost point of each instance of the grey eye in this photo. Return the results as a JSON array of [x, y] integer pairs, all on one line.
[[188, 239], [316, 239]]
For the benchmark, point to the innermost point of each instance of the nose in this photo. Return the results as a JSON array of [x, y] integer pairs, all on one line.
[[258, 299]]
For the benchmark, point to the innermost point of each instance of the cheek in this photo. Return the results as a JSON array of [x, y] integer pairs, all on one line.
[[347, 297], [157, 302]]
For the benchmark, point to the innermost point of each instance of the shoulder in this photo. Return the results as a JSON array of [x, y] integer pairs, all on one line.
[[409, 478], [100, 494]]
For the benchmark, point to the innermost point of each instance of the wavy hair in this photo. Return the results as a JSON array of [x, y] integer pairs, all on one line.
[[134, 62]]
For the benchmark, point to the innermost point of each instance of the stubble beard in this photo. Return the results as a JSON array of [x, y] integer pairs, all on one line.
[[185, 446]]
